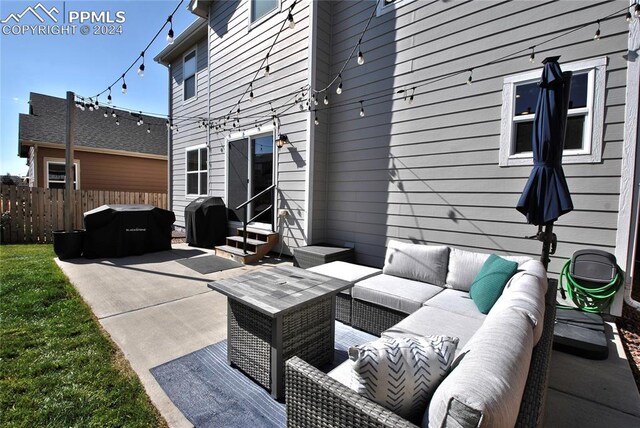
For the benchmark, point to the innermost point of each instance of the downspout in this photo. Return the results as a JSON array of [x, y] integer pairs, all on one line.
[[208, 47], [629, 191], [309, 173], [170, 145]]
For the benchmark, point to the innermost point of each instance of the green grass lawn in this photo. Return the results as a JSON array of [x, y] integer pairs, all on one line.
[[57, 367]]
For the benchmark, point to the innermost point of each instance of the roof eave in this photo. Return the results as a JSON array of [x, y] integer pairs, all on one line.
[[194, 33]]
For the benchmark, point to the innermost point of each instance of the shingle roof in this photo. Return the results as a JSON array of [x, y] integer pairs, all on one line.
[[47, 122]]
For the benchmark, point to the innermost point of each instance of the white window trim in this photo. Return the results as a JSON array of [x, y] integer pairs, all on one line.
[[263, 130], [385, 8], [268, 15], [195, 75], [591, 153], [60, 161], [186, 173]]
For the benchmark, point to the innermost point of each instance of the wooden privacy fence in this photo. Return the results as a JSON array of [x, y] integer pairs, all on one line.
[[31, 214]]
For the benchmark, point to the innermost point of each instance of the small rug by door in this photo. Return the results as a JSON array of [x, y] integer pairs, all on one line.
[[210, 393], [209, 264]]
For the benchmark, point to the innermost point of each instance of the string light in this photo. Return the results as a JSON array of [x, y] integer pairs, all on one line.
[[292, 23], [148, 129], [170, 33], [266, 68], [251, 93], [316, 121], [532, 57], [141, 68], [413, 90], [361, 108], [109, 96], [113, 113], [628, 16], [339, 88], [106, 113], [326, 100], [470, 79], [117, 120], [90, 104], [96, 104], [360, 54], [636, 10], [597, 35], [124, 85]]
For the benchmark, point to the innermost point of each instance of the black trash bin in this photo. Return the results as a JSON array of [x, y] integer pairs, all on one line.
[[126, 230], [206, 221]]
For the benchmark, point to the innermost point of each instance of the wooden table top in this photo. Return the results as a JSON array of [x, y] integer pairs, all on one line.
[[278, 290]]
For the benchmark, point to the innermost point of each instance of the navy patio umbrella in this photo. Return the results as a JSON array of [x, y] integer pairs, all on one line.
[[546, 195]]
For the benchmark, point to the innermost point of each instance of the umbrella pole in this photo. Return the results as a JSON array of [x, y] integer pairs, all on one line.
[[547, 239]]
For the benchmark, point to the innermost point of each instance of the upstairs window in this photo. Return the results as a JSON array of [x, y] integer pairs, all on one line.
[[189, 75], [197, 178], [261, 8], [385, 6], [585, 117]]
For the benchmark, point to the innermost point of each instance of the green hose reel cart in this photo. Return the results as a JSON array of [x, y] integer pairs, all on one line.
[[590, 280]]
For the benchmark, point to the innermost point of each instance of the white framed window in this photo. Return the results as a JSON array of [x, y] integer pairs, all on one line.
[[585, 118], [261, 10], [55, 174], [197, 178], [385, 6], [189, 82]]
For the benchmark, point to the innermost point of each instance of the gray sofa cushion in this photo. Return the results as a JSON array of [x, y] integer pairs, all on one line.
[[486, 385], [426, 263], [395, 293], [465, 265], [346, 271], [457, 302], [430, 321]]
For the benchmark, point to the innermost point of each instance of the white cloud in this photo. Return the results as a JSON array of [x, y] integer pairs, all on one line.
[[15, 99]]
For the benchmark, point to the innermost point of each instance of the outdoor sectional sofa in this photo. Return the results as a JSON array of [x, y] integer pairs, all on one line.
[[499, 376]]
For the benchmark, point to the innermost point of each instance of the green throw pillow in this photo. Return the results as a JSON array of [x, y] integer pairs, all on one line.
[[490, 281]]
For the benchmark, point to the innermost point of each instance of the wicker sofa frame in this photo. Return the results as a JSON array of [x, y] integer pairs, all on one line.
[[314, 399]]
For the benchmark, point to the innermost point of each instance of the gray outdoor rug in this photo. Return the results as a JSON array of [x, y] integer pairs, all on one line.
[[210, 393], [209, 264]]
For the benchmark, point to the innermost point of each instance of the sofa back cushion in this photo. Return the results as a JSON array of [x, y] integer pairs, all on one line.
[[426, 263], [488, 377], [402, 373], [465, 265]]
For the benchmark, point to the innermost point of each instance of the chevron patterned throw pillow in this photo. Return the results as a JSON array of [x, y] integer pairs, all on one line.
[[402, 373]]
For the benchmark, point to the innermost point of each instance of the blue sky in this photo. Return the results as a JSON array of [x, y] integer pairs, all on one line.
[[85, 64]]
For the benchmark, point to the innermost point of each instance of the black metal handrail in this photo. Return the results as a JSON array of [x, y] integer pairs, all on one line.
[[245, 206]]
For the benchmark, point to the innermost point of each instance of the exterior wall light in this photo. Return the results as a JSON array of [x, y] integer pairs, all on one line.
[[282, 140]]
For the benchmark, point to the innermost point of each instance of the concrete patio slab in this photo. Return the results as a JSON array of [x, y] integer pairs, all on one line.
[[156, 310]]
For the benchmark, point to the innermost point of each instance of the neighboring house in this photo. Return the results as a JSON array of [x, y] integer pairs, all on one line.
[[14, 180], [442, 164], [107, 156]]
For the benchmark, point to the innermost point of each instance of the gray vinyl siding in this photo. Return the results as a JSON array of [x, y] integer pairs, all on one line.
[[428, 172], [189, 134], [236, 53]]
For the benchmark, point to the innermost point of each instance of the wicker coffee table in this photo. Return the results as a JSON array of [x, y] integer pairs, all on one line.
[[276, 313]]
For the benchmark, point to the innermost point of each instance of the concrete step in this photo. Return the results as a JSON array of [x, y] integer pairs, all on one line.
[[234, 251]]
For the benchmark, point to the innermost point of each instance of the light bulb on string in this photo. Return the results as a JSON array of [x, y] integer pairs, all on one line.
[[250, 91], [113, 113], [316, 121], [124, 85], [141, 121], [326, 100], [266, 68], [117, 120], [141, 68], [636, 10], [339, 88], [628, 16], [292, 22], [148, 129], [470, 79], [106, 113], [167, 124], [82, 106], [109, 99], [532, 57], [597, 35], [361, 109], [96, 104], [170, 33], [90, 104]]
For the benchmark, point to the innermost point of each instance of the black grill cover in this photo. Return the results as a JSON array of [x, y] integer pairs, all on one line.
[[206, 221], [124, 230]]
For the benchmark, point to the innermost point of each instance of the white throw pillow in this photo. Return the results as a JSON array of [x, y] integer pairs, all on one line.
[[402, 373]]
